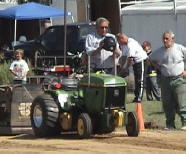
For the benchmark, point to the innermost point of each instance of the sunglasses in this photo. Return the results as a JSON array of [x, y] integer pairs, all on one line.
[[104, 27]]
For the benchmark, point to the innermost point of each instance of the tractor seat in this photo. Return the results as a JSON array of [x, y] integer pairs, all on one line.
[[69, 82]]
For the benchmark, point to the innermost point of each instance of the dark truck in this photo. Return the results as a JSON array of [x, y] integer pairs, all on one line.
[[48, 49]]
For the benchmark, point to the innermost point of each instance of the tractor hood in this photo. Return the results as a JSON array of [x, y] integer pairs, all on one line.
[[102, 80]]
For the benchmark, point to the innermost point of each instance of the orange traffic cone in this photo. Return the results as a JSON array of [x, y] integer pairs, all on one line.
[[140, 116]]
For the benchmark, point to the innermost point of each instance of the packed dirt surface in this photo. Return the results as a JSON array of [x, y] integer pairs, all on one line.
[[149, 141]]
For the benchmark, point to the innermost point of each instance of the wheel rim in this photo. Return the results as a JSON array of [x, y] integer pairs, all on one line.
[[37, 116], [80, 127]]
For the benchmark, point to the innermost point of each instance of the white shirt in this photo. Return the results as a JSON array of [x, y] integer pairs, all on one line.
[[134, 49], [20, 67], [103, 59], [171, 61]]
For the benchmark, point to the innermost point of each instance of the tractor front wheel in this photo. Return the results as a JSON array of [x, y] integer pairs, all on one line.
[[132, 125], [84, 126]]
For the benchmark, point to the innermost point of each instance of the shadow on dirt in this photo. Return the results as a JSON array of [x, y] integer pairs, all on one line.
[[72, 136]]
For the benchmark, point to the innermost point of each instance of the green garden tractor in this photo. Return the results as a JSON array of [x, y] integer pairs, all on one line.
[[95, 104]]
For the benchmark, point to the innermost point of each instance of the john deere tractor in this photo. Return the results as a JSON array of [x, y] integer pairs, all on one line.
[[95, 104]]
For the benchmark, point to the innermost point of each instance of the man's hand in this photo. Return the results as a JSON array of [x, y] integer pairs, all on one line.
[[99, 48], [184, 74], [122, 61], [101, 45], [117, 53], [130, 61]]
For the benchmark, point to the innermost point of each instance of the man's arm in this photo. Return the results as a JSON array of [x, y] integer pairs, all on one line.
[[90, 47], [122, 60], [117, 53], [124, 65], [184, 74], [94, 52], [154, 64]]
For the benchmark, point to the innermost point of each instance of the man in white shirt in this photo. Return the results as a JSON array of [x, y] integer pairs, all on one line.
[[133, 54], [101, 59]]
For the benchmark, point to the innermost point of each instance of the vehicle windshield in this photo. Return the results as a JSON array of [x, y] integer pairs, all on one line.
[[85, 30], [53, 38]]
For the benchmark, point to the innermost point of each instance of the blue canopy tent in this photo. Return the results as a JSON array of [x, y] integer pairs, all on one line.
[[32, 10]]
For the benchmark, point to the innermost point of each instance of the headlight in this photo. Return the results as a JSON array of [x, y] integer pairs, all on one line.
[[62, 98]]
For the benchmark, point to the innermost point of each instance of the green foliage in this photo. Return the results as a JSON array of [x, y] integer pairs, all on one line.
[[5, 75], [2, 58]]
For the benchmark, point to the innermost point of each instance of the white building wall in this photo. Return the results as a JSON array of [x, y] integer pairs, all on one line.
[[150, 27], [150, 24], [9, 1]]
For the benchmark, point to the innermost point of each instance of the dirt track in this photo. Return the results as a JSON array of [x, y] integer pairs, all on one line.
[[149, 141]]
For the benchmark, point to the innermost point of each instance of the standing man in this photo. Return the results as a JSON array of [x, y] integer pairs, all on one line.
[[101, 59], [133, 54], [152, 87], [169, 59]]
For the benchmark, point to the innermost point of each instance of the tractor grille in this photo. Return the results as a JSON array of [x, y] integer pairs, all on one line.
[[115, 97]]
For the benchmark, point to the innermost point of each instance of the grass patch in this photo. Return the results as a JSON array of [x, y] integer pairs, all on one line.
[[153, 111]]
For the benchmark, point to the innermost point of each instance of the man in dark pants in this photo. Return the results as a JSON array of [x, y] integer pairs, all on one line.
[[152, 87], [169, 59], [133, 54]]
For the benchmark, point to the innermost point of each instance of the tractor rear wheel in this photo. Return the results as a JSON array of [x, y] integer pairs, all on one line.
[[132, 125], [44, 116], [84, 126]]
